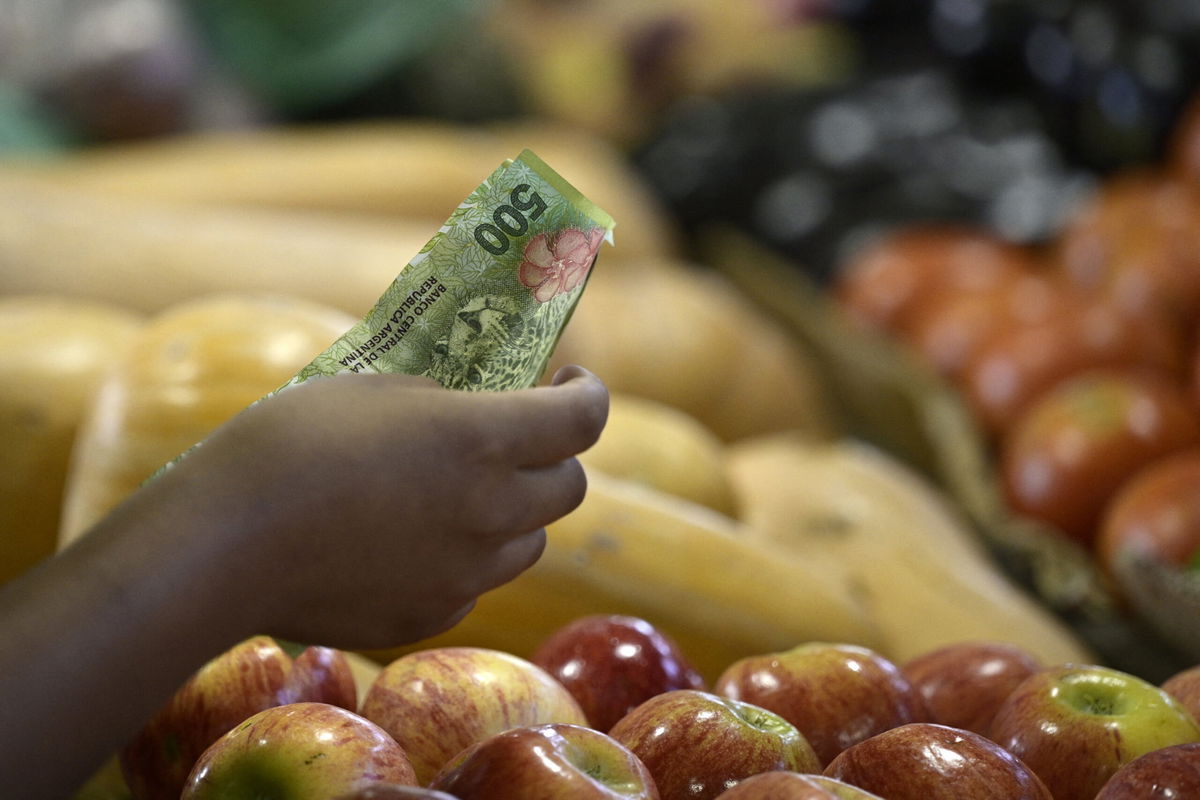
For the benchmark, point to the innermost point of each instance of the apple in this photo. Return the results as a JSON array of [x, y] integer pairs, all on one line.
[[785, 785], [1184, 686], [551, 761], [697, 744], [1169, 773], [251, 676], [835, 694], [927, 761], [439, 701], [395, 791], [1076, 724], [298, 751], [964, 683], [611, 663]]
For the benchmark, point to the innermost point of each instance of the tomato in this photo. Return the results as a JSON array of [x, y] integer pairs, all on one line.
[[878, 286], [1077, 444], [1138, 242], [948, 328], [1156, 514], [1013, 367]]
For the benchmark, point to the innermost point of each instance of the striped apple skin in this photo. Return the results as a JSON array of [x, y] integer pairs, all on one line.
[[697, 744], [438, 702]]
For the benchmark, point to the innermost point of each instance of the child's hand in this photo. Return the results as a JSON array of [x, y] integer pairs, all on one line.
[[371, 511]]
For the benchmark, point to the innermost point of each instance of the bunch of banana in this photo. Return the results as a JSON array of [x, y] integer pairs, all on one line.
[[864, 518]]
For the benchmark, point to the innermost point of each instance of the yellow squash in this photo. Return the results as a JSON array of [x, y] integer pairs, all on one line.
[[187, 371], [387, 170], [54, 352], [720, 592], [663, 447], [148, 256], [849, 509], [679, 334]]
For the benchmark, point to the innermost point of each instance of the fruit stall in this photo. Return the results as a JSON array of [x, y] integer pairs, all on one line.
[[898, 494]]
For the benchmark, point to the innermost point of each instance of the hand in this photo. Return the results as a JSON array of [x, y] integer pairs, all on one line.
[[371, 511]]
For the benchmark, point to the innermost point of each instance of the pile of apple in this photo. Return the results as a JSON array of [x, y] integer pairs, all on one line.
[[609, 708]]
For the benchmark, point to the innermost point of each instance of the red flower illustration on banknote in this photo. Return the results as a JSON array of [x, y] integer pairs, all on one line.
[[558, 262]]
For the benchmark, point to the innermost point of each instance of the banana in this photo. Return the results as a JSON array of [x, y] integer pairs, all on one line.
[[850, 509], [695, 573]]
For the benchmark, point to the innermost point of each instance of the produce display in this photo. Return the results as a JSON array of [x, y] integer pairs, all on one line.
[[897, 494], [826, 720]]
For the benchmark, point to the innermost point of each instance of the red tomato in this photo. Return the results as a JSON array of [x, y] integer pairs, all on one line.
[[1017, 364], [878, 286], [1138, 242], [1156, 514], [948, 328], [1077, 444]]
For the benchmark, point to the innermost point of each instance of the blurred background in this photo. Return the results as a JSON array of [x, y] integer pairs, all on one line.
[[811, 123]]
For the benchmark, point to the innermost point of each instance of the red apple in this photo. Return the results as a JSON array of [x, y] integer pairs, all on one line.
[[249, 677], [548, 762], [612, 663], [784, 785], [1184, 686], [440, 701], [1169, 773], [697, 744], [394, 791], [299, 751], [926, 761], [964, 683], [1075, 725], [835, 694]]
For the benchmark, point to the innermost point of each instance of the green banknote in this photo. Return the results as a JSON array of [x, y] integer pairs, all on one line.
[[483, 303]]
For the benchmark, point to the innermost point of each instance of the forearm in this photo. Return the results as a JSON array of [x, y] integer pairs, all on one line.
[[95, 640]]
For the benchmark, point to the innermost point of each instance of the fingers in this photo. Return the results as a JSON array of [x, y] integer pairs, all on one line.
[[547, 424], [512, 558], [547, 493]]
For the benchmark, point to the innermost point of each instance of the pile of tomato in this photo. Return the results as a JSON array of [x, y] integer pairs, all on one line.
[[1079, 357]]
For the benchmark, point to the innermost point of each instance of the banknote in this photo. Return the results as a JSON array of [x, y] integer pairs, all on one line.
[[481, 306], [483, 303]]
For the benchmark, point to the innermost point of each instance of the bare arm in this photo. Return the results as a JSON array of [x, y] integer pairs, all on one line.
[[358, 512]]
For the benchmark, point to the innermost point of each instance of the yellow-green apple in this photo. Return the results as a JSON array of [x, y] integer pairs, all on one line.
[[439, 701], [611, 663], [298, 751], [1169, 773], [927, 761], [1184, 686], [698, 744], [253, 675], [964, 683], [785, 785], [556, 761], [835, 694], [1076, 724]]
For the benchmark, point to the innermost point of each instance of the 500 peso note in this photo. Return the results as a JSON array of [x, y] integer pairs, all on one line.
[[483, 304]]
